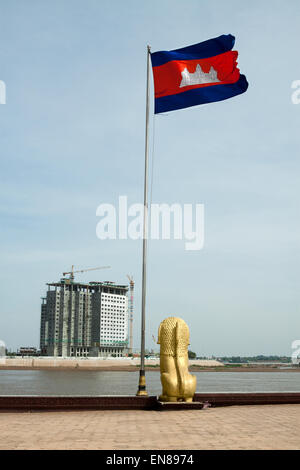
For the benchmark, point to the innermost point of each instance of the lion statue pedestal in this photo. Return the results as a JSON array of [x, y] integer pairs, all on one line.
[[177, 383]]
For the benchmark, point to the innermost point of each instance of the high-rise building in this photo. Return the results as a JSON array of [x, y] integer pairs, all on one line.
[[84, 319]]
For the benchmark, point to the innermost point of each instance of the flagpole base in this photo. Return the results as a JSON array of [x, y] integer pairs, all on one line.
[[142, 392]]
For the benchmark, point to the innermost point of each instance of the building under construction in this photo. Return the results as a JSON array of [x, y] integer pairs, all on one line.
[[84, 319]]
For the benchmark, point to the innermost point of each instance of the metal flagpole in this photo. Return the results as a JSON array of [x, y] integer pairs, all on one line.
[[142, 381]]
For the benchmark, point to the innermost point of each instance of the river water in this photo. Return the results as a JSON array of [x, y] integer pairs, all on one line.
[[39, 382]]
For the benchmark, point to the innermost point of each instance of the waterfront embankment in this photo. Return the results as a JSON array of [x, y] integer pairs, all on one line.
[[129, 364], [109, 364]]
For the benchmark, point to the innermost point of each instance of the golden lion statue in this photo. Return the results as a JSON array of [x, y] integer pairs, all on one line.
[[177, 383]]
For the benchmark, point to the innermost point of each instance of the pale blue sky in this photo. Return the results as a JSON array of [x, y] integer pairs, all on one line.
[[72, 137]]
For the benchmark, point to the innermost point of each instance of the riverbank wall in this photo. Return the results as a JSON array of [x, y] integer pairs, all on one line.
[[39, 363]]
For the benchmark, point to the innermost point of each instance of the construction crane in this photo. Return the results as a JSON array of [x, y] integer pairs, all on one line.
[[131, 283], [72, 272]]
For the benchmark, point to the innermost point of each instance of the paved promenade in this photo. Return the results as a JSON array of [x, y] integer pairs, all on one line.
[[244, 427]]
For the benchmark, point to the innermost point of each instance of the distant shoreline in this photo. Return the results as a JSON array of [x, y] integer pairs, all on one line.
[[135, 368]]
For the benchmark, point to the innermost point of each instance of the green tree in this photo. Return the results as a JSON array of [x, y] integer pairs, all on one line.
[[192, 355]]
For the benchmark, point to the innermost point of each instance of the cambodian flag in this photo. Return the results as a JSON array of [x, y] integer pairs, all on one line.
[[197, 74]]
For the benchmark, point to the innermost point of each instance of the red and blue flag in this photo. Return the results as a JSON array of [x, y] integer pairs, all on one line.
[[198, 74]]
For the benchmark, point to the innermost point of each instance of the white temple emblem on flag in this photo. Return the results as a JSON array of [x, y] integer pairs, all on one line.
[[198, 77]]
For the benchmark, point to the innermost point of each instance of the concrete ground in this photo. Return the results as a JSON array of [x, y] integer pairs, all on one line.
[[244, 427]]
